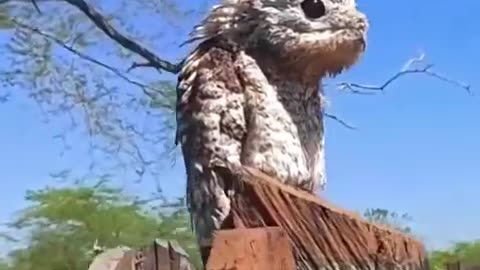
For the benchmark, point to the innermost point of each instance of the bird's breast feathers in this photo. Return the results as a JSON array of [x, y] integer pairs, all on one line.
[[229, 112]]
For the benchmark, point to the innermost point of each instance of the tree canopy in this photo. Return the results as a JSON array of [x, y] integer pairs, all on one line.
[[61, 225], [67, 221], [467, 253], [390, 218]]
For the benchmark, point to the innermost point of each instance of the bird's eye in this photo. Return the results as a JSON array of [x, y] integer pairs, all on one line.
[[313, 9]]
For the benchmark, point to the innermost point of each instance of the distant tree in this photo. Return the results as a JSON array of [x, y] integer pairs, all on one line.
[[467, 253], [62, 224], [439, 258], [392, 219], [4, 265]]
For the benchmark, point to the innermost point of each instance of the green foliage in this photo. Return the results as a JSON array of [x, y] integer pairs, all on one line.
[[62, 225], [82, 78], [386, 217], [4, 265], [5, 22], [467, 253]]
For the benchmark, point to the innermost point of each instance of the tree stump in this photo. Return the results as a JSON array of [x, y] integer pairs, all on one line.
[[321, 235], [252, 249]]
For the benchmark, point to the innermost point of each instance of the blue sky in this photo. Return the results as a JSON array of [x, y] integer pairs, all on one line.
[[416, 149]]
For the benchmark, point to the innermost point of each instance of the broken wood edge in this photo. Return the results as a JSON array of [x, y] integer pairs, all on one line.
[[252, 176]]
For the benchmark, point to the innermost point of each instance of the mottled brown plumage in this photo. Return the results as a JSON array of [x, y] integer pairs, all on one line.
[[249, 95]]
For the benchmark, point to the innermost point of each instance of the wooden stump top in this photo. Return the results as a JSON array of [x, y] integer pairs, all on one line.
[[252, 249], [321, 235]]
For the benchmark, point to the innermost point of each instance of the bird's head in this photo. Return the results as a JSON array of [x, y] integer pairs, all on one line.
[[320, 36]]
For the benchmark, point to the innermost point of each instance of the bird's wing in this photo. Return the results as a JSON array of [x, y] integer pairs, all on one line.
[[211, 122], [210, 105]]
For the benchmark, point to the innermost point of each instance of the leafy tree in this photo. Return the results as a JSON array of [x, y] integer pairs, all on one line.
[[4, 265], [392, 219], [467, 253], [62, 225]]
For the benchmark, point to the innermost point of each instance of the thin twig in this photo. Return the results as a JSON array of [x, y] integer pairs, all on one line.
[[137, 65], [147, 90], [35, 5], [102, 23], [340, 121], [99, 20], [407, 69]]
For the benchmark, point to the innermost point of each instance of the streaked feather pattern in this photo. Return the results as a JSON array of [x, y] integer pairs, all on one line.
[[250, 94]]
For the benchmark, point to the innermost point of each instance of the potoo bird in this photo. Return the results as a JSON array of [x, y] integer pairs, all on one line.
[[250, 94]]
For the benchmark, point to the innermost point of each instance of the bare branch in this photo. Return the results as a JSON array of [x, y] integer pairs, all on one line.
[[137, 65], [34, 3], [340, 121], [408, 68], [99, 20], [147, 90], [159, 197]]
